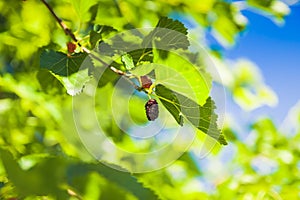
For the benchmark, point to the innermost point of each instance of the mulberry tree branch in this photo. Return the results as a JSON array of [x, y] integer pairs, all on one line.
[[61, 23], [71, 34]]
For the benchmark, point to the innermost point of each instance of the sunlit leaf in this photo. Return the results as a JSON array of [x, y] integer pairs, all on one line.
[[182, 76], [143, 69], [75, 83], [181, 107]]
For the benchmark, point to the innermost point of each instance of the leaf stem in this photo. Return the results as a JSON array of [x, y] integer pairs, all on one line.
[[71, 34]]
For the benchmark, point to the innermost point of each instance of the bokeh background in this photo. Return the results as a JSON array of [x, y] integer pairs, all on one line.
[[254, 44]]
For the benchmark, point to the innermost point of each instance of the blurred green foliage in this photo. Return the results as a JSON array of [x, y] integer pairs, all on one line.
[[41, 154]]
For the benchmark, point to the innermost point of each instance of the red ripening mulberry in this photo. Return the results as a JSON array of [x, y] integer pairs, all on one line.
[[151, 109], [71, 47], [146, 81]]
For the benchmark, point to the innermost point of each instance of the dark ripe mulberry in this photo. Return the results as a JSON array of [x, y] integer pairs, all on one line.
[[151, 109]]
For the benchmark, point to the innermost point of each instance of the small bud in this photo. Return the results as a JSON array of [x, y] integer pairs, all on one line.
[[146, 82], [71, 47]]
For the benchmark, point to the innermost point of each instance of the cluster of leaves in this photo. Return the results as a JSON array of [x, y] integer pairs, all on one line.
[[41, 154], [173, 98]]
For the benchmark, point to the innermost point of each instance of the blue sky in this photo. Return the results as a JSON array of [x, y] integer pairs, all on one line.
[[276, 50]]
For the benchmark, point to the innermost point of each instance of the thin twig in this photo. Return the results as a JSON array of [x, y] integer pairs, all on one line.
[[61, 23], [71, 34]]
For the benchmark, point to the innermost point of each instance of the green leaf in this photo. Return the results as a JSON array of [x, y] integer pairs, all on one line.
[[202, 117], [100, 32], [128, 62], [170, 101], [172, 24], [126, 42], [76, 82], [180, 75], [168, 34], [60, 63], [142, 55], [82, 8], [49, 82], [143, 69]]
